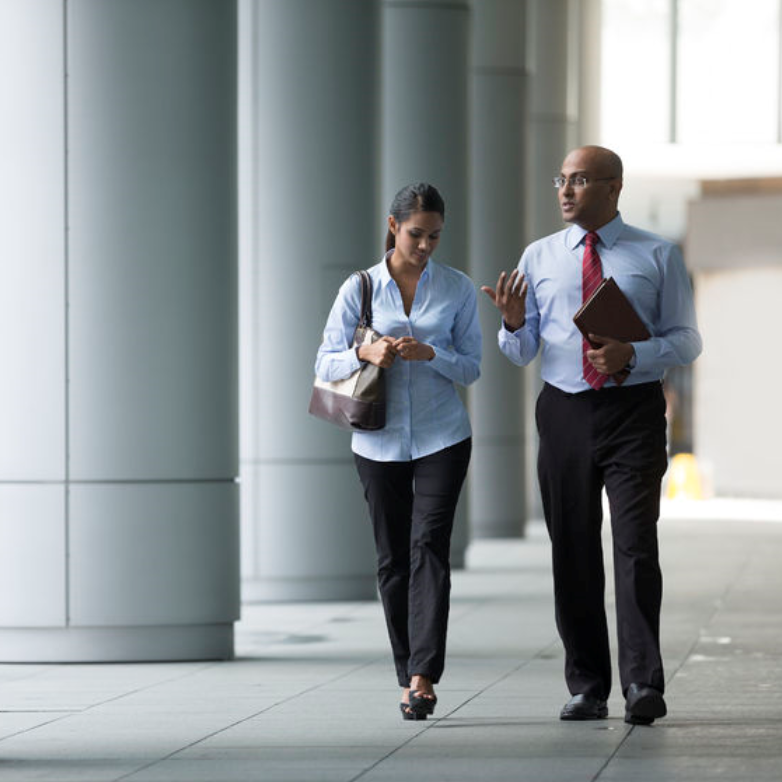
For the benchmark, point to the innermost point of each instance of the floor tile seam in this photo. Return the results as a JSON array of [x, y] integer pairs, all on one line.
[[31, 728], [614, 753], [236, 723], [468, 606], [372, 766], [65, 714], [429, 725], [630, 729], [150, 686], [33, 674], [719, 604], [539, 655]]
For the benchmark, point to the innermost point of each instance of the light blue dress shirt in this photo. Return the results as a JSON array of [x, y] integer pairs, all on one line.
[[651, 273], [424, 413]]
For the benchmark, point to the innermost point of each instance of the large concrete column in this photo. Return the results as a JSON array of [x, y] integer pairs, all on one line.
[[585, 64], [118, 462], [425, 124], [553, 104], [553, 100], [309, 81], [498, 133], [563, 62]]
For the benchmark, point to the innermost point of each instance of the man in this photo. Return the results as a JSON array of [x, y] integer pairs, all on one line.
[[601, 427]]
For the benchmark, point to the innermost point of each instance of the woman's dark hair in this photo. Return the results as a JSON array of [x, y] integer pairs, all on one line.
[[420, 197]]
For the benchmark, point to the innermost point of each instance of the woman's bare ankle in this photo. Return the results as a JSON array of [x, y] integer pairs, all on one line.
[[421, 684]]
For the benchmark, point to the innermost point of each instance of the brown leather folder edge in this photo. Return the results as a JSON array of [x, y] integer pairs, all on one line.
[[608, 313]]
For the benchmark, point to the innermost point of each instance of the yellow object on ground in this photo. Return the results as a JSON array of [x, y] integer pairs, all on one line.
[[684, 478]]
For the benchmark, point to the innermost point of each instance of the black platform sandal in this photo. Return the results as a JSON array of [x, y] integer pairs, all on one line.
[[409, 714], [422, 704]]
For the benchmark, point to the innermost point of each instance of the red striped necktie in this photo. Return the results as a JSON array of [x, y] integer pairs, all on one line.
[[591, 277]]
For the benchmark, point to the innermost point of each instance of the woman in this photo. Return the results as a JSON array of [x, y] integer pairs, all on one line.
[[413, 469]]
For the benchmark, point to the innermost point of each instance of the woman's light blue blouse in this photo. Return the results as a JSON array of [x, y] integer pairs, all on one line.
[[424, 411]]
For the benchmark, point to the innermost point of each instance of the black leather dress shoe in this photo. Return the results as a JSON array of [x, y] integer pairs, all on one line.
[[584, 707], [644, 705]]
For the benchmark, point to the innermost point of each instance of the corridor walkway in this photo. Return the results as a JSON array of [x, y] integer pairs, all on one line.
[[311, 695]]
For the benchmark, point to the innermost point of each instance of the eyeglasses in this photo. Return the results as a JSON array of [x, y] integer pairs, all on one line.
[[577, 181]]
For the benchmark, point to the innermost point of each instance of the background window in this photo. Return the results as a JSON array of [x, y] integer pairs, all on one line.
[[636, 71], [691, 71], [728, 85]]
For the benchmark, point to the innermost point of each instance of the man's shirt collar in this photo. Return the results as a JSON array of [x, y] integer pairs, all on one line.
[[608, 233]]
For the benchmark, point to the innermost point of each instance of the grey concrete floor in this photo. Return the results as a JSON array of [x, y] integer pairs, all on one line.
[[312, 696]]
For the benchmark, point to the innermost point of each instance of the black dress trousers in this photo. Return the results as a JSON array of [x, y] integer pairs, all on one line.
[[412, 506], [613, 438]]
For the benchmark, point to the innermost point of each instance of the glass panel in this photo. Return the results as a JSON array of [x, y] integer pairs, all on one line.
[[635, 80], [728, 71]]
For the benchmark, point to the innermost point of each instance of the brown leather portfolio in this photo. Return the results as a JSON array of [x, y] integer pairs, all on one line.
[[608, 313]]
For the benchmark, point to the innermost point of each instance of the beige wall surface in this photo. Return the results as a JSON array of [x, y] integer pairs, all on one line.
[[738, 425], [734, 246]]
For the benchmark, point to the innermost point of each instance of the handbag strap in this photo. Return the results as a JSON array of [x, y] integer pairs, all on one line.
[[365, 318]]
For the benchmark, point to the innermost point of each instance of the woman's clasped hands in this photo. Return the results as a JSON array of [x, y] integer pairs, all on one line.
[[383, 352]]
